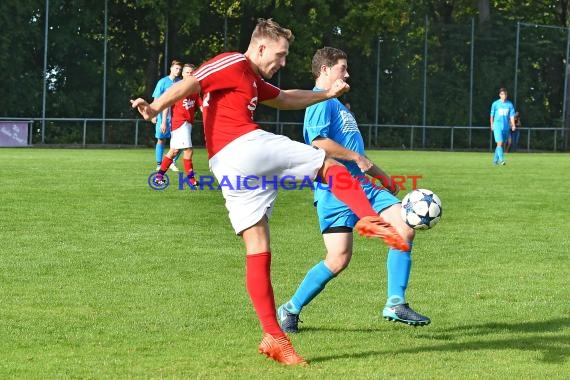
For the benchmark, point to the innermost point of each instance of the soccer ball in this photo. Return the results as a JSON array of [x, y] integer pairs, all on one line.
[[421, 209]]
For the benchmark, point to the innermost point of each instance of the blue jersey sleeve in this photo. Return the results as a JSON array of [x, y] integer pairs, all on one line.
[[159, 89], [511, 110], [317, 121]]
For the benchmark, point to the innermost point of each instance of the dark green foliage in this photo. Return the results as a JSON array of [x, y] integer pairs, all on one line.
[[144, 36]]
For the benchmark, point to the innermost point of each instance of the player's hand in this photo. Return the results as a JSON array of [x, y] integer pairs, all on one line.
[[338, 88], [364, 164], [144, 108], [163, 128]]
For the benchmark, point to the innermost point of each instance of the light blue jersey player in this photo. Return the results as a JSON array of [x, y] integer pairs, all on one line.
[[502, 117], [162, 128], [329, 125]]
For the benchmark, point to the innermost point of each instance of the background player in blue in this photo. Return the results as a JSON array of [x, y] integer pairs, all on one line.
[[163, 119], [330, 126], [502, 116]]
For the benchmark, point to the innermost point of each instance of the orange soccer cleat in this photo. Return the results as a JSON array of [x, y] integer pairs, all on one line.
[[280, 349], [375, 226]]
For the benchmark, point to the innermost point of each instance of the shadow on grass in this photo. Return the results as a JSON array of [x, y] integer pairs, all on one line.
[[315, 329], [538, 337]]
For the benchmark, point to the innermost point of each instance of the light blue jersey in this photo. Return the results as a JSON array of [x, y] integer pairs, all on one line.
[[161, 87], [331, 119], [501, 112]]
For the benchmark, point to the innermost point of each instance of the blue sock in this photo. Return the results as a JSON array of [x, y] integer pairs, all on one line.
[[501, 153], [399, 265], [313, 283], [496, 158], [159, 152]]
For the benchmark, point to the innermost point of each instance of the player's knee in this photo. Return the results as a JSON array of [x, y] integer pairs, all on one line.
[[407, 232], [393, 216], [338, 263]]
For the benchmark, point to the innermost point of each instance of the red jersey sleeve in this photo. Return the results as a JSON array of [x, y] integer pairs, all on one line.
[[266, 91]]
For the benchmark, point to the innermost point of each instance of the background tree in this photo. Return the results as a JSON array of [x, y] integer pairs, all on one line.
[[143, 36]]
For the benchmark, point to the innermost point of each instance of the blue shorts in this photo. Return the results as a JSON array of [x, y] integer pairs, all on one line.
[[159, 135], [501, 135], [334, 213]]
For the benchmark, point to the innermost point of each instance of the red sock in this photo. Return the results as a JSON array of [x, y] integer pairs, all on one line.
[[188, 166], [166, 161], [348, 190], [258, 283]]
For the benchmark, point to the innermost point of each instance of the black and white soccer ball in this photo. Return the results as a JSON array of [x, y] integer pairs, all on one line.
[[421, 209]]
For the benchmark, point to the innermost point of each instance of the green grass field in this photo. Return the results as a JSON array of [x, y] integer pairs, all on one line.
[[104, 278]]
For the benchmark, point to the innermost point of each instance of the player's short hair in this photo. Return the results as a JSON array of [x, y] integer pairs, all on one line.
[[176, 63], [272, 30], [327, 56], [193, 67], [503, 89]]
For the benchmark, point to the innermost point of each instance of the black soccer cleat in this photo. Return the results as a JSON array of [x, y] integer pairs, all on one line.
[[405, 314]]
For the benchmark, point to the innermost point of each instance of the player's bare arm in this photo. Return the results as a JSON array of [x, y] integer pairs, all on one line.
[[177, 91], [164, 118], [337, 151], [299, 99], [377, 172]]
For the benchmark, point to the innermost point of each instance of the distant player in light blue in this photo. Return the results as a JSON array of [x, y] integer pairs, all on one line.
[[162, 131], [502, 117], [330, 126]]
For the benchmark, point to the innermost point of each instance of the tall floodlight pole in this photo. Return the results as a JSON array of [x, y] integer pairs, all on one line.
[[166, 66], [104, 100], [46, 28], [565, 88], [278, 112], [377, 81], [425, 85], [226, 31], [471, 78], [517, 61]]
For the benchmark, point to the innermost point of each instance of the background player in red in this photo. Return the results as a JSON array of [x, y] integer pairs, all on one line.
[[232, 85], [181, 132]]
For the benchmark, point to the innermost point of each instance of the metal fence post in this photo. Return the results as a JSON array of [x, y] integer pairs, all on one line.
[[103, 133], [528, 141], [84, 132]]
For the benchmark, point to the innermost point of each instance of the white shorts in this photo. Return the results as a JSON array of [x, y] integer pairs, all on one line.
[[252, 168], [181, 138]]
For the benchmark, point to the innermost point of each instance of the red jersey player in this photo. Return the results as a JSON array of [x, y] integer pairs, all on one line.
[[232, 85]]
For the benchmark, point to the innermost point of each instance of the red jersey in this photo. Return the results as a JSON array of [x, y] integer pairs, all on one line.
[[183, 110], [231, 91]]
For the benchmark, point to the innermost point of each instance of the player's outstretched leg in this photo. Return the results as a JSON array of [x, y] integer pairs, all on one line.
[[280, 349], [375, 226]]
